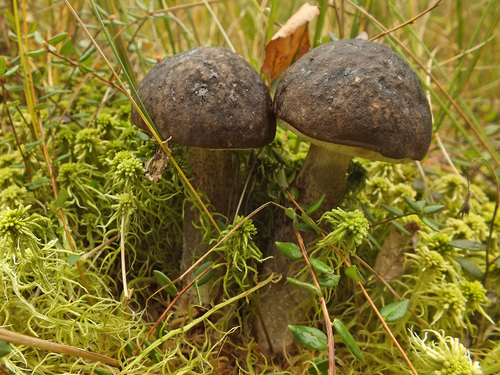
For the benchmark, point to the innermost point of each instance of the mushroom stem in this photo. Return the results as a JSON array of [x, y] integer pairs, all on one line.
[[212, 174], [323, 172]]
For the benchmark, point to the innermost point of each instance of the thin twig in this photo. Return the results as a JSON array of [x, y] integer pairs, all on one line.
[[190, 269], [97, 248], [221, 29], [122, 253], [33, 342], [326, 315], [391, 289], [407, 22], [492, 224]]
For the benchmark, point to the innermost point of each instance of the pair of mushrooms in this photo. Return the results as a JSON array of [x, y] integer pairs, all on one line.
[[347, 98]]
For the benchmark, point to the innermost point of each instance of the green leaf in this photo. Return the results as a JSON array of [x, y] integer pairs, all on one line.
[[289, 250], [3, 65], [310, 223], [314, 207], [129, 348], [395, 311], [306, 286], [73, 258], [84, 69], [467, 245], [374, 241], [6, 140], [433, 208], [392, 210], [303, 227], [5, 348], [38, 37], [30, 146], [470, 266], [11, 71], [153, 354], [206, 277], [328, 280], [13, 104], [294, 192], [319, 367], [430, 223], [311, 337], [413, 205], [86, 55], [36, 184], [163, 280], [62, 157], [282, 181], [347, 338], [99, 371], [400, 228], [57, 39], [67, 48], [320, 266], [61, 198], [353, 273], [36, 53], [368, 214], [290, 213], [278, 157]]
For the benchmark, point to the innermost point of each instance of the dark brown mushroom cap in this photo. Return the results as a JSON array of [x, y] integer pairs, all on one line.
[[360, 95], [208, 97]]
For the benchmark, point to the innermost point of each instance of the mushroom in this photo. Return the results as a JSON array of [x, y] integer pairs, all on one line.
[[347, 98], [213, 101]]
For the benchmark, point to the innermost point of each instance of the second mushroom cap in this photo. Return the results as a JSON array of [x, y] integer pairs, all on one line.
[[360, 95]]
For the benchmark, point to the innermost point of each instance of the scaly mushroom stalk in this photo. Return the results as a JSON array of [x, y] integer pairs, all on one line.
[[212, 174]]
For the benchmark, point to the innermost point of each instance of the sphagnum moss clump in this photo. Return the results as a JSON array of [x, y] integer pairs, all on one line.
[[444, 355], [349, 230]]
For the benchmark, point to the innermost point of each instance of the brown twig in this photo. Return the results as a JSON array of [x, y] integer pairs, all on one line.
[[326, 315], [407, 22], [391, 289]]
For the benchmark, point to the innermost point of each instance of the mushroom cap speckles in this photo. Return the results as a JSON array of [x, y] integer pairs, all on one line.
[[208, 97], [359, 95]]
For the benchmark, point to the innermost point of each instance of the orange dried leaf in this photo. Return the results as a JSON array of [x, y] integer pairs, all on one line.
[[289, 43]]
